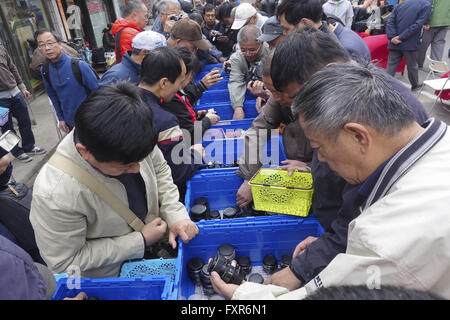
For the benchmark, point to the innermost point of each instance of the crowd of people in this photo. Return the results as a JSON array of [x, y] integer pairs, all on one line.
[[114, 189]]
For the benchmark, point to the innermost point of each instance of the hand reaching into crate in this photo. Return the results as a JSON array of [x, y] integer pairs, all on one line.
[[244, 194], [185, 229]]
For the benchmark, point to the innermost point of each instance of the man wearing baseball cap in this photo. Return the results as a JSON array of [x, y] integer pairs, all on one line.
[[187, 33], [129, 68], [247, 14], [272, 32]]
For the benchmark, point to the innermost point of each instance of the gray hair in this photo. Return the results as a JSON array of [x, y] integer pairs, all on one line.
[[249, 33], [351, 92], [132, 6], [164, 4]]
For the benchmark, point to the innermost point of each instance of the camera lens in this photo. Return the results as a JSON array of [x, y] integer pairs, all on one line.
[[194, 268], [202, 200], [214, 215], [285, 261], [245, 264], [227, 251], [228, 272], [198, 212], [256, 277], [269, 263], [208, 289], [230, 212]]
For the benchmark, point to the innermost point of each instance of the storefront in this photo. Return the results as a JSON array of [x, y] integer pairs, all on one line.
[[19, 19], [86, 19]]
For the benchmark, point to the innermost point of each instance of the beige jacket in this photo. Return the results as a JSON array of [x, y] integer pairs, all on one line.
[[73, 227], [403, 239], [237, 85]]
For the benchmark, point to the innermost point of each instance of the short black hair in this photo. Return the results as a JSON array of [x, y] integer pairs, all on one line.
[[208, 7], [162, 62], [42, 31], [197, 17], [302, 53], [296, 10], [115, 124], [224, 10], [190, 59]]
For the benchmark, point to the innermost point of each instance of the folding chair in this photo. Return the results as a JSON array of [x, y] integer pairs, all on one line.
[[439, 84]]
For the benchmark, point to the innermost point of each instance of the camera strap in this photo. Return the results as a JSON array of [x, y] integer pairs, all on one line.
[[84, 177]]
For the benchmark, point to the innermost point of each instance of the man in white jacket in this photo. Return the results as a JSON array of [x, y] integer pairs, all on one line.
[[367, 134]]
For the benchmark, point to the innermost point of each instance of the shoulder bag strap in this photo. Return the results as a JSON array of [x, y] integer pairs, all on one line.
[[68, 166]]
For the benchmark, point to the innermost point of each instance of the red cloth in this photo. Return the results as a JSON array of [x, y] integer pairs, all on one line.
[[130, 30], [378, 46], [445, 95]]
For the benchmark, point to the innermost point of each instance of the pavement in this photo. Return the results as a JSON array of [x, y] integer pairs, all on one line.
[[46, 136]]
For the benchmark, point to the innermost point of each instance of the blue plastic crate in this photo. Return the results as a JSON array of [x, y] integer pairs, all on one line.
[[209, 67], [148, 288], [234, 124], [228, 151], [226, 111], [219, 95], [254, 238], [4, 114]]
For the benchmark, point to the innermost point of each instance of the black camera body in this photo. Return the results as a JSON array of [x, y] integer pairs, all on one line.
[[214, 35], [228, 272], [255, 72], [176, 17]]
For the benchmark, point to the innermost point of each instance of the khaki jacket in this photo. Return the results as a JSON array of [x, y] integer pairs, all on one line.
[[73, 227], [237, 85]]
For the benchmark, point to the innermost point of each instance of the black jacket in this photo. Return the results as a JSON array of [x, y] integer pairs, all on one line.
[[192, 93]]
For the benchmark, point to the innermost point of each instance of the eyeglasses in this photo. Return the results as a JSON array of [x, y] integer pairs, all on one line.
[[49, 44], [250, 51]]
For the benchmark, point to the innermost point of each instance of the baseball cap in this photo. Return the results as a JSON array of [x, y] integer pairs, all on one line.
[[189, 30], [148, 40], [271, 30], [243, 12]]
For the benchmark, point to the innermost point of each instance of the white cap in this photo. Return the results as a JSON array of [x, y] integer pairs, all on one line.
[[243, 12], [148, 40]]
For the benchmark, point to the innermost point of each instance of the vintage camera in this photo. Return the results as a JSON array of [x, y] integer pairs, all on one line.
[[176, 17], [214, 35], [228, 272], [7, 142], [255, 72]]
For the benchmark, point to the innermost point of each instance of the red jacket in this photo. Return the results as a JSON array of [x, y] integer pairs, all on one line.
[[130, 30]]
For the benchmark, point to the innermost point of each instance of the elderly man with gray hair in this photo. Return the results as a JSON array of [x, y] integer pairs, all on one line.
[[169, 12], [245, 66], [366, 132]]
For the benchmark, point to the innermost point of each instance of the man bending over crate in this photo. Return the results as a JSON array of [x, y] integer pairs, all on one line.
[[107, 194], [368, 135]]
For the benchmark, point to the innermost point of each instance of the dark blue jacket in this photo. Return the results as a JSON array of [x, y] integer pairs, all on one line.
[[336, 203], [406, 21], [126, 70], [19, 276], [171, 142], [6, 175], [353, 43], [65, 92]]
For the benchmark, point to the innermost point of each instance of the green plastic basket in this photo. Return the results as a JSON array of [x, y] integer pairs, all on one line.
[[274, 191]]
